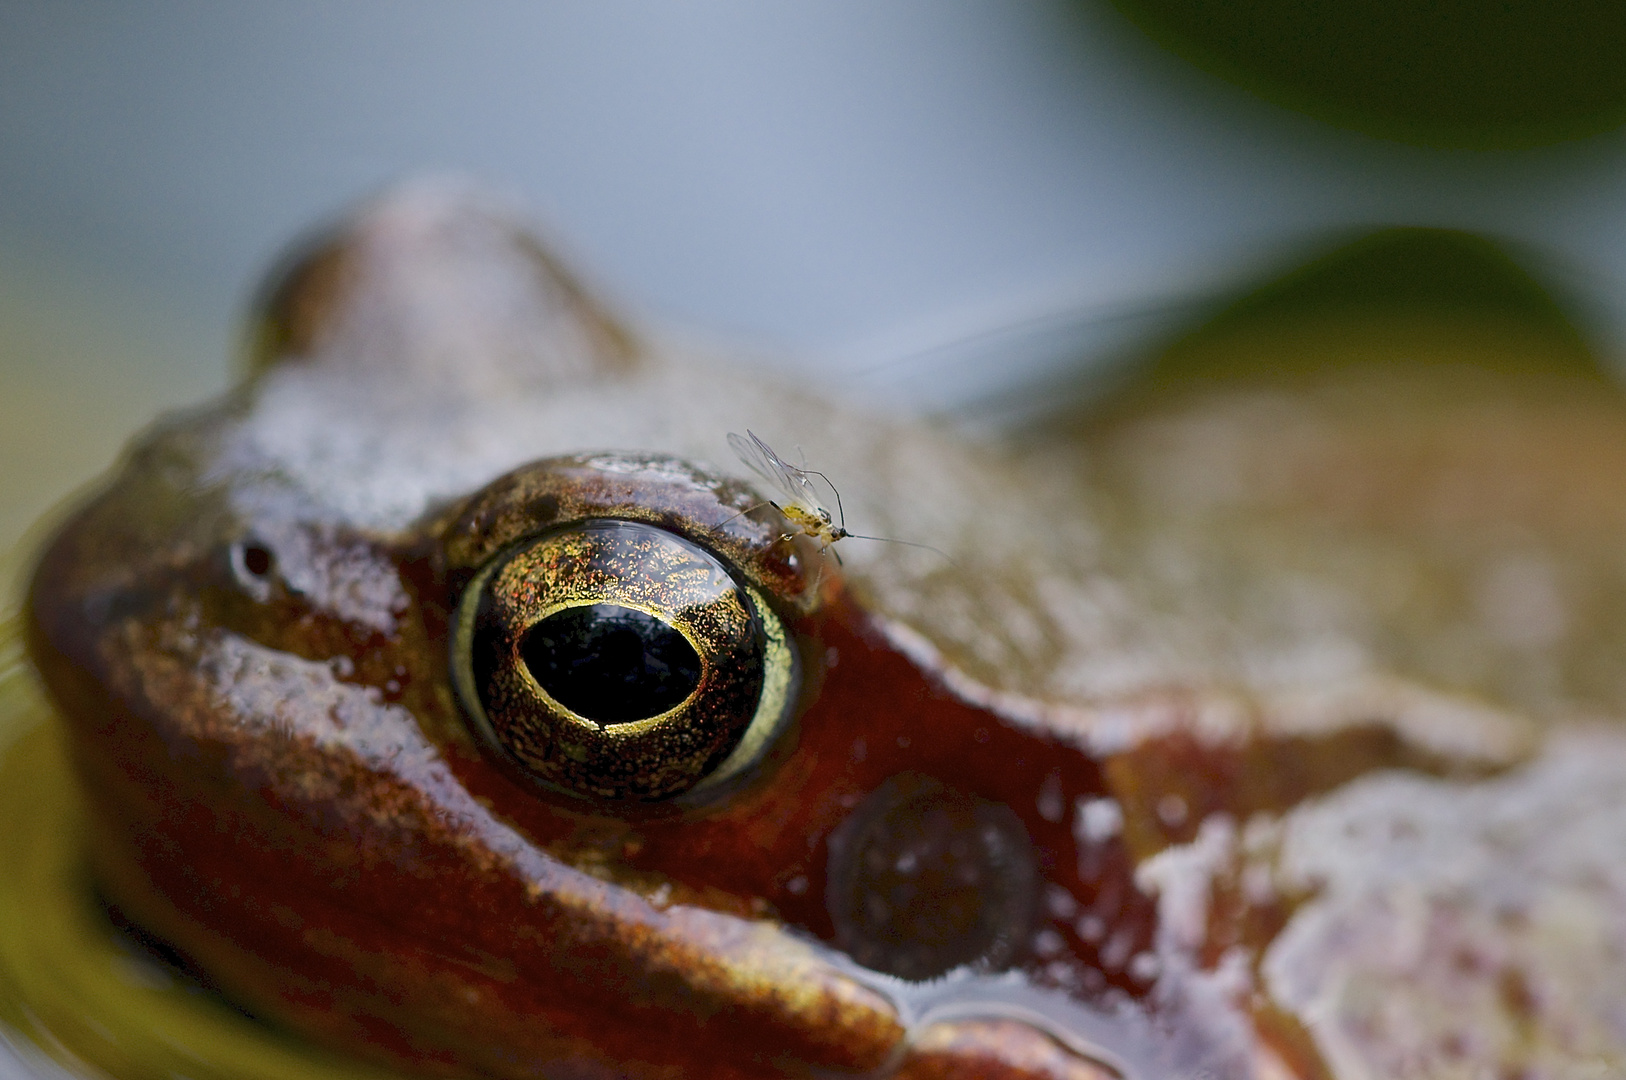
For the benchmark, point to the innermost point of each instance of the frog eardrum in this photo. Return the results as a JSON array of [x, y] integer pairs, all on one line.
[[610, 658]]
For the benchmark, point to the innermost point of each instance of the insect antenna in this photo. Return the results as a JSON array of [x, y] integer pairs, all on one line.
[[905, 543], [843, 534], [760, 458], [841, 522], [841, 514]]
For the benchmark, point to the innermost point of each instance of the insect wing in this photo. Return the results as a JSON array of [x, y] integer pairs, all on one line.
[[790, 481]]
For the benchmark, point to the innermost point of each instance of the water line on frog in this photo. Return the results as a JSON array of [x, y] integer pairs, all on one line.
[[1122, 1037], [77, 997]]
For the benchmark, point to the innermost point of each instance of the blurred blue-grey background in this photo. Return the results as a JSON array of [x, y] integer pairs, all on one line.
[[863, 188]]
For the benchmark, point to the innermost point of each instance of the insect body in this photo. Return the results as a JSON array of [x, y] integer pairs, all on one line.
[[802, 505]]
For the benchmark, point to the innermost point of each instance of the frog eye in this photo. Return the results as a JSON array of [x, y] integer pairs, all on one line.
[[617, 660]]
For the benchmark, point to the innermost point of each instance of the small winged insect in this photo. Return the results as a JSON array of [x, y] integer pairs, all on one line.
[[801, 504], [800, 501]]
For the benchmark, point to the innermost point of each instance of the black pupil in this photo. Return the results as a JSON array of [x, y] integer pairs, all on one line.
[[611, 664]]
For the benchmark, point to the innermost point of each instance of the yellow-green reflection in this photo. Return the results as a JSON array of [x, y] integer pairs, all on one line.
[[69, 983]]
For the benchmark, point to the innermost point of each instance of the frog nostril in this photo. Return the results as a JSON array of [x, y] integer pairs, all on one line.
[[257, 560], [611, 664], [924, 878], [252, 565]]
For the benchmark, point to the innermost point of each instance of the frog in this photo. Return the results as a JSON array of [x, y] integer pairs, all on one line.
[[446, 695]]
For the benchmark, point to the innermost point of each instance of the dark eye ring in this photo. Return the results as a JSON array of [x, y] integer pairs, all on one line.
[[617, 660]]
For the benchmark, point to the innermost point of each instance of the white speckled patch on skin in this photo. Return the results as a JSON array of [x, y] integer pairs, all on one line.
[[1433, 555], [1216, 566], [1463, 930]]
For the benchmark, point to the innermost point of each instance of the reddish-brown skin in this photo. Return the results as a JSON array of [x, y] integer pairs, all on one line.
[[297, 804], [294, 798], [286, 789], [364, 896]]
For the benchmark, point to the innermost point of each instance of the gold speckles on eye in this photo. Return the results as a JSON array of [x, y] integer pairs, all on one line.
[[617, 660]]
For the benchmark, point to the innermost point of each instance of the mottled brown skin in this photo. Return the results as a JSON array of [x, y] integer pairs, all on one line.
[[295, 800], [363, 904]]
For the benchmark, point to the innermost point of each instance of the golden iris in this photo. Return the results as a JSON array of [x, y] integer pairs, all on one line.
[[618, 660]]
